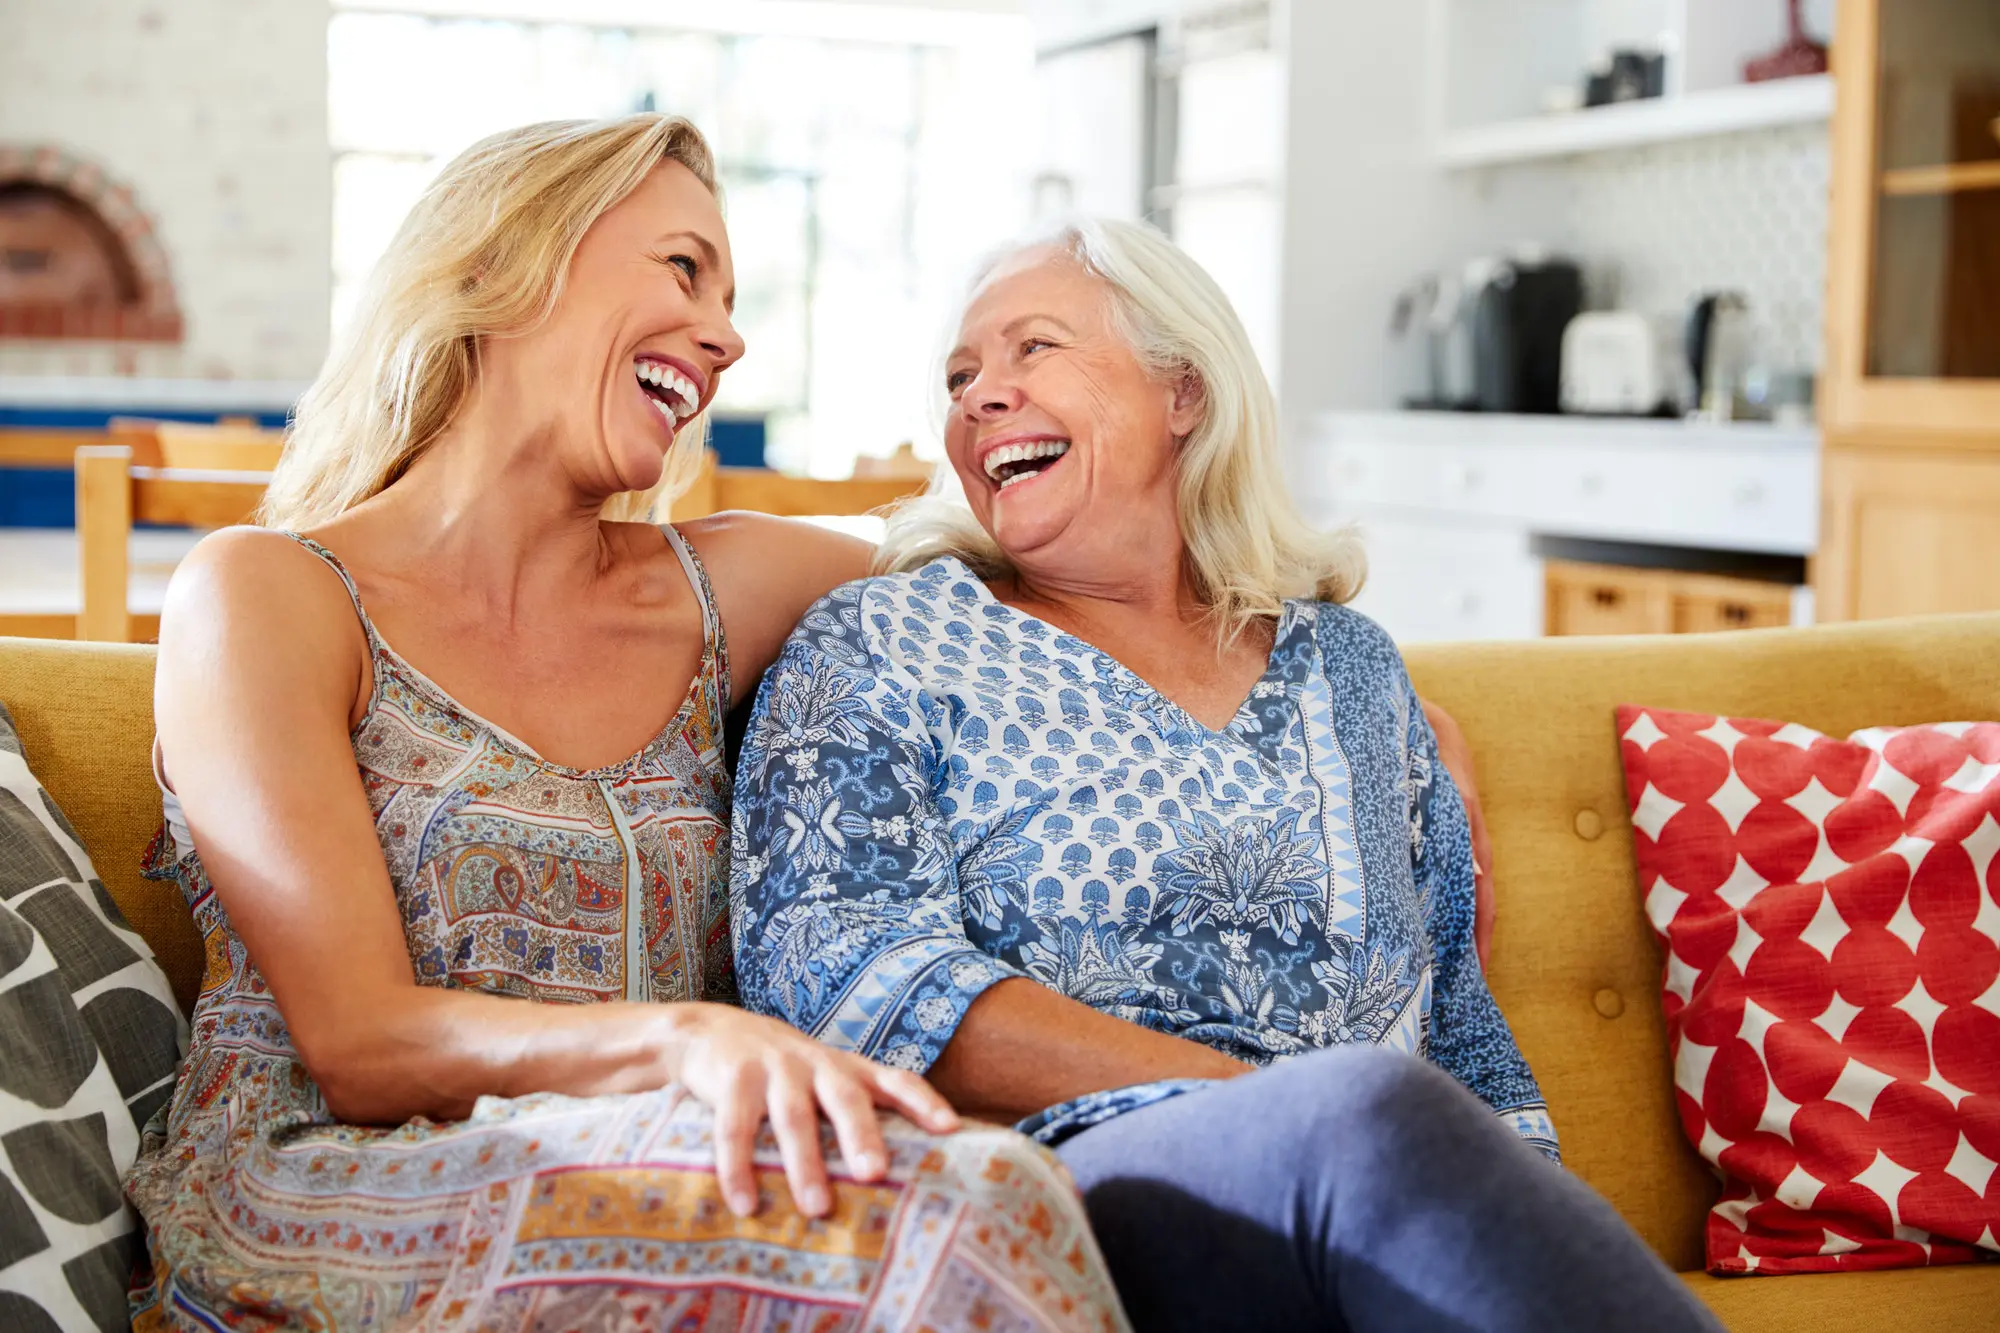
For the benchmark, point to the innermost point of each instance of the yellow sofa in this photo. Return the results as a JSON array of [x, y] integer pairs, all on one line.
[[1575, 965]]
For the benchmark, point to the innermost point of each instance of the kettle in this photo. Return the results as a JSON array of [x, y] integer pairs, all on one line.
[[1719, 353]]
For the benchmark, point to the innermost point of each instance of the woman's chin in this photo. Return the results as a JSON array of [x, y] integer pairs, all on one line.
[[639, 467], [1027, 532]]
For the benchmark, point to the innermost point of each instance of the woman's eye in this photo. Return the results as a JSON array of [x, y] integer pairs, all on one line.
[[1034, 344], [686, 264], [957, 380]]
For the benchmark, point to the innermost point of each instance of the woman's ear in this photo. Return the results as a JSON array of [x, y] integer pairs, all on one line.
[[1190, 398]]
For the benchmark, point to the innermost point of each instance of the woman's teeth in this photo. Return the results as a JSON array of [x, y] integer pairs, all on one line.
[[1017, 462], [677, 397]]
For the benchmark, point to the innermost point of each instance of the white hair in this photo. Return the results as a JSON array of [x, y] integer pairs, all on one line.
[[1247, 548]]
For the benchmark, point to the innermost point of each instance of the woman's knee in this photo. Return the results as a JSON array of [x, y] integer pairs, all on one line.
[[1363, 1100]]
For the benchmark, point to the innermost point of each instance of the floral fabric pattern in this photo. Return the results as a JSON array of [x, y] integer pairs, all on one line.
[[938, 792]]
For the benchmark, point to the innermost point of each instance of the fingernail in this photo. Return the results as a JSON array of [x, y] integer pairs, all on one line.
[[743, 1204], [869, 1164], [816, 1201]]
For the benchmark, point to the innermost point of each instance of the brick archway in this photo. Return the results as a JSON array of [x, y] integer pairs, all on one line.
[[68, 213]]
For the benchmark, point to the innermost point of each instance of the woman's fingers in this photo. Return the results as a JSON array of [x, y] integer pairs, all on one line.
[[738, 1112], [849, 1106], [900, 1090], [795, 1122]]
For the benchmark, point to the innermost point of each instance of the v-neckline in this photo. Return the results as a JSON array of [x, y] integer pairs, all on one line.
[[1142, 695]]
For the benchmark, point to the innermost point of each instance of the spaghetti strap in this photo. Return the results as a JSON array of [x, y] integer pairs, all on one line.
[[711, 618], [332, 562]]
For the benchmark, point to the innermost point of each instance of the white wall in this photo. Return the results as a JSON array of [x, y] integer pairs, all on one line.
[[1366, 211], [214, 113]]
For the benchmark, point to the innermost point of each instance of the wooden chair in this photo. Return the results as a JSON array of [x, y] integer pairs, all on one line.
[[112, 494], [213, 476], [763, 491], [235, 444]]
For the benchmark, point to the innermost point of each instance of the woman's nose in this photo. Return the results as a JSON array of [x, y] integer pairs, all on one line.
[[723, 344], [986, 398]]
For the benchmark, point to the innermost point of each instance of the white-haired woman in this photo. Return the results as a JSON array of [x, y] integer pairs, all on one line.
[[1100, 802], [454, 1064]]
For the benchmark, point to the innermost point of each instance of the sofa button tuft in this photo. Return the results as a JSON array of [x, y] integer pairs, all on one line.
[[1608, 1002], [1589, 825]]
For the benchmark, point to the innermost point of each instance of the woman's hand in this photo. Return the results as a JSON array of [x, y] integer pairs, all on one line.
[[1457, 757], [750, 1069]]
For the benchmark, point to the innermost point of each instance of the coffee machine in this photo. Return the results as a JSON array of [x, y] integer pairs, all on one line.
[[1493, 332]]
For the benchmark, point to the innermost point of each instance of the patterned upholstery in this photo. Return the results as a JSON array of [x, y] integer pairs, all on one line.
[[89, 1037]]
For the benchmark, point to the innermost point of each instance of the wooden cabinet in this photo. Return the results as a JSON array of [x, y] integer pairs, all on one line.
[[1613, 599], [1909, 531], [1910, 485], [1913, 256]]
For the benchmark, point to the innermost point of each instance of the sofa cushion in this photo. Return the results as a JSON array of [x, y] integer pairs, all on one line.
[[90, 1036], [1831, 911], [1575, 966], [85, 712], [1936, 1300]]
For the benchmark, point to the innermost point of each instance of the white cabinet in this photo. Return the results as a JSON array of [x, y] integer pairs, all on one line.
[[1435, 578], [1451, 505]]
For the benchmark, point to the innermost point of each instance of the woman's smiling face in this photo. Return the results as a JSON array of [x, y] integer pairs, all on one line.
[[638, 339], [1064, 442]]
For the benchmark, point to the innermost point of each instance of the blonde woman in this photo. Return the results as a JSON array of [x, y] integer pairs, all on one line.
[[1100, 808], [442, 754]]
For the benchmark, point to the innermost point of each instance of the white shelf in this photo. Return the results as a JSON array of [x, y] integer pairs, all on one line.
[[1746, 106]]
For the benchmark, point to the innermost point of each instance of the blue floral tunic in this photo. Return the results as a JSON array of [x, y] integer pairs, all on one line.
[[938, 792]]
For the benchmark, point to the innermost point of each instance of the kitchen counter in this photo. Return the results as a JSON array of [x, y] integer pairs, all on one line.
[[1491, 428], [1457, 507]]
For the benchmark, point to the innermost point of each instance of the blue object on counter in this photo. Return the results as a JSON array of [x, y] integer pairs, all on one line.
[[18, 417], [37, 497], [737, 441]]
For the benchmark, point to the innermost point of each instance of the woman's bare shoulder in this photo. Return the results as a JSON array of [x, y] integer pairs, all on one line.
[[252, 599], [773, 545], [249, 569], [767, 572]]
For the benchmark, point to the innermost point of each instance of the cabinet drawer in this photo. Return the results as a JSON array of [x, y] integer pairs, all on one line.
[[1603, 599], [1702, 605], [1612, 599], [1463, 479], [1693, 497]]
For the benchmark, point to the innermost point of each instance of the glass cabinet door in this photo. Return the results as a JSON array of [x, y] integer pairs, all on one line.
[[1914, 299], [1936, 306]]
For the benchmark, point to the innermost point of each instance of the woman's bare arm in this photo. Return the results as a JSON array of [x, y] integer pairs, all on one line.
[[261, 663], [1022, 1047]]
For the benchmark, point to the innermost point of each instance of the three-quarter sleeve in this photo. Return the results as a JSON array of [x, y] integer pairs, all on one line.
[[846, 912], [1468, 1037]]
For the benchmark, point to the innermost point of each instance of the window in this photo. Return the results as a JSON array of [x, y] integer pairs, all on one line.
[[868, 153]]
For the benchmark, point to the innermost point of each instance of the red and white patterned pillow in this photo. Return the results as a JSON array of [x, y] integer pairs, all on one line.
[[1831, 911]]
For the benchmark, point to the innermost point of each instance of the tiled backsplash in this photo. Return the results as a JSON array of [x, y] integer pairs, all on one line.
[[1658, 225]]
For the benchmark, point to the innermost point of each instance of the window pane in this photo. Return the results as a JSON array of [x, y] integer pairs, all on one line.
[[860, 178]]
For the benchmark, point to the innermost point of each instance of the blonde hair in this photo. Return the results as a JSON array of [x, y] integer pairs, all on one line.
[[1246, 546], [484, 251]]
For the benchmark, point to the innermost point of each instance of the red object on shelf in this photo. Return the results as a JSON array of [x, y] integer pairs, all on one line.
[[1799, 55]]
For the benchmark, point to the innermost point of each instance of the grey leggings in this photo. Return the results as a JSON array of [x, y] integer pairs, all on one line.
[[1358, 1189]]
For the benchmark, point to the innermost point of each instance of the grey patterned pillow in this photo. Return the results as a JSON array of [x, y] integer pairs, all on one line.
[[89, 1040]]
